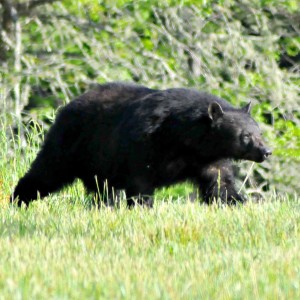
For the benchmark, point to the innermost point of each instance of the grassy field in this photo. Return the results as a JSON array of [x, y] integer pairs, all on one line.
[[64, 248]]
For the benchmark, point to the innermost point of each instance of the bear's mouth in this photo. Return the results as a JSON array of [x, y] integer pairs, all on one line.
[[260, 156], [260, 160]]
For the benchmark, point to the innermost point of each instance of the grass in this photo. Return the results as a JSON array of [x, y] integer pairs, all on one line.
[[62, 248], [56, 249]]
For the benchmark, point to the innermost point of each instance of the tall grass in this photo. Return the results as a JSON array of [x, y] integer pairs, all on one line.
[[64, 248], [58, 249]]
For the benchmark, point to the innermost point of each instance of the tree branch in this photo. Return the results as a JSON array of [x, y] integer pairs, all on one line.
[[9, 15], [25, 8]]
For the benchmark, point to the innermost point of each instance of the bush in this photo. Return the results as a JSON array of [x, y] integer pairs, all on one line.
[[238, 50]]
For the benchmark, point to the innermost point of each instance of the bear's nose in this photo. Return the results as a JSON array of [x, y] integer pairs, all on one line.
[[267, 153]]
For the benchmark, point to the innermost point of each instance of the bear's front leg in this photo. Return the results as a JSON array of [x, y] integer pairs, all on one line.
[[140, 191], [143, 200], [216, 181]]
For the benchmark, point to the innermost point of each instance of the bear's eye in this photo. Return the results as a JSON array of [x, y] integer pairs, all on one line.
[[246, 138]]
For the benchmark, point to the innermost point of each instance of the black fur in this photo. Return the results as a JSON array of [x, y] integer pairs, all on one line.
[[140, 139]]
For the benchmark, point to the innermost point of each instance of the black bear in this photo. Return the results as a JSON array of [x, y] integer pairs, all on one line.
[[138, 139]]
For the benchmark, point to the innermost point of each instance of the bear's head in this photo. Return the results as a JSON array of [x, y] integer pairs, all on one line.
[[239, 135]]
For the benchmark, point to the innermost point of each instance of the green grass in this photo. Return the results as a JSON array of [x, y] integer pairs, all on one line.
[[62, 248]]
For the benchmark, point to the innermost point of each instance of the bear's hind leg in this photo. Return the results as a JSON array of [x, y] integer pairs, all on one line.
[[46, 175], [29, 188]]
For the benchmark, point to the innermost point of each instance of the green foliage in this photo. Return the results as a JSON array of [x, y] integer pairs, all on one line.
[[240, 50], [288, 143]]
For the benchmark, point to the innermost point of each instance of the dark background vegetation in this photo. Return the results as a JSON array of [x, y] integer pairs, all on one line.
[[51, 51]]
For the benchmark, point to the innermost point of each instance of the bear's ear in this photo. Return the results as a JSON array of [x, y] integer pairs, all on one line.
[[215, 111], [247, 108]]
